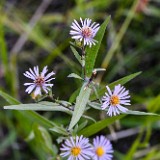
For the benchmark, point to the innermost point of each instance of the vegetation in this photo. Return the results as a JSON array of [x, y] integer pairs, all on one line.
[[36, 33]]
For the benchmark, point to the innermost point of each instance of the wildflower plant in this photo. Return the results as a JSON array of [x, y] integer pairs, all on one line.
[[71, 143]]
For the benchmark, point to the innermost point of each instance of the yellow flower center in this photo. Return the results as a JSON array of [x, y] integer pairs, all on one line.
[[100, 151], [87, 32], [114, 100], [75, 151], [39, 81]]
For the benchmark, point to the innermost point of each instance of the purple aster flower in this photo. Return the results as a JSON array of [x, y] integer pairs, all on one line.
[[40, 80], [113, 101], [84, 32], [77, 148], [102, 148]]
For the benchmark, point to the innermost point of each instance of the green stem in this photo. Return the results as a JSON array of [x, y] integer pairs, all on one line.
[[83, 61], [61, 104]]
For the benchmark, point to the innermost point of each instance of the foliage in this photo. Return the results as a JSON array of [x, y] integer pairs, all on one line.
[[39, 36]]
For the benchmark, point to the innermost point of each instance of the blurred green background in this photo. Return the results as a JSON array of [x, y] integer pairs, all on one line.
[[37, 33]]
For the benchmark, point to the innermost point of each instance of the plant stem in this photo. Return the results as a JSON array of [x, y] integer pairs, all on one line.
[[58, 102], [83, 61]]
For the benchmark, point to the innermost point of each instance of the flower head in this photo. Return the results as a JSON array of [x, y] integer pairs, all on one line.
[[40, 80], [86, 32], [78, 148], [102, 148], [113, 101]]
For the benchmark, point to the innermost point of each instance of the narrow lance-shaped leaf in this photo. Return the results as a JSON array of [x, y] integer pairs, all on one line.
[[124, 79], [59, 130], [38, 107], [76, 54], [4, 55], [74, 95], [8, 98], [31, 115], [73, 75], [120, 81], [43, 139], [98, 126], [91, 52], [80, 105], [44, 106], [134, 147], [138, 113]]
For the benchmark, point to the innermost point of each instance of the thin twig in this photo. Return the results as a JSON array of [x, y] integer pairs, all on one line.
[[123, 134], [58, 102], [144, 152]]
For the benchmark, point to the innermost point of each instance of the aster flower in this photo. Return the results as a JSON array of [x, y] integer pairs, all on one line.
[[84, 32], [76, 149], [113, 101], [40, 80], [102, 148]]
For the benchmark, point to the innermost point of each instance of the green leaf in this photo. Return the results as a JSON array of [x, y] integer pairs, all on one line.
[[73, 75], [95, 105], [74, 95], [82, 125], [4, 55], [141, 113], [98, 107], [59, 130], [44, 106], [80, 105], [98, 126], [121, 81], [76, 54], [91, 52], [124, 79], [58, 102], [133, 148], [8, 98], [32, 116], [38, 107], [153, 104], [43, 139]]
